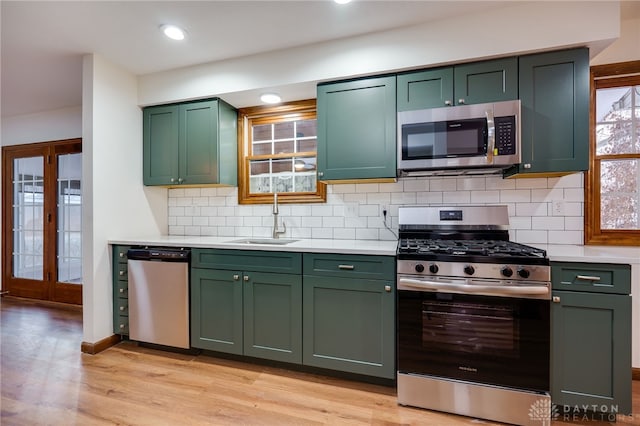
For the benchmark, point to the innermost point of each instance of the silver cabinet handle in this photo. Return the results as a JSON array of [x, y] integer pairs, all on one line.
[[320, 174], [346, 267], [461, 101], [180, 180], [588, 277], [527, 165], [236, 277], [122, 290], [387, 288], [121, 273], [121, 326], [447, 102], [121, 254], [172, 180], [556, 299], [246, 278], [121, 308]]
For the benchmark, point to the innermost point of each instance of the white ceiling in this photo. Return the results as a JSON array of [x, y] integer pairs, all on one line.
[[42, 42]]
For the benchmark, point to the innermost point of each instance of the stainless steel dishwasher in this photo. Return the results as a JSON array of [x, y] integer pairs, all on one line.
[[159, 296]]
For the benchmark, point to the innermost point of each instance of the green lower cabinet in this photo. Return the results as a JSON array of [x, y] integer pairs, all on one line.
[[246, 311], [349, 325], [120, 291], [216, 310], [591, 339], [273, 316]]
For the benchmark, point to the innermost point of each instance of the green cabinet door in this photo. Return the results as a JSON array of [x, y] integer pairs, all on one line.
[[473, 83], [192, 143], [161, 132], [357, 129], [216, 310], [486, 81], [273, 316], [591, 350], [554, 92], [120, 290], [425, 89], [349, 325]]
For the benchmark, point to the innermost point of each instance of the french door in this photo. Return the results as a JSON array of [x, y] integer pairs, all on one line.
[[41, 221]]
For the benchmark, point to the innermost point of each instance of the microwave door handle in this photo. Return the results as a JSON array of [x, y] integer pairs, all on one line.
[[491, 135]]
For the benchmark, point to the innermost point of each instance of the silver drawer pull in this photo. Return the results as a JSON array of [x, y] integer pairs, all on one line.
[[122, 308], [387, 288], [236, 277], [121, 273], [121, 254], [122, 290], [588, 277], [346, 267], [121, 326]]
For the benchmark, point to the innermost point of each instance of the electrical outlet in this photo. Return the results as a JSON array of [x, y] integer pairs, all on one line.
[[351, 209]]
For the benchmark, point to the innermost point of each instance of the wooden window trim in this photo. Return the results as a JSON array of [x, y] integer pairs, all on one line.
[[262, 115], [602, 77]]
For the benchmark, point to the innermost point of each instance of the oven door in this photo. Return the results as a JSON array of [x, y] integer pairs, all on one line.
[[502, 341]]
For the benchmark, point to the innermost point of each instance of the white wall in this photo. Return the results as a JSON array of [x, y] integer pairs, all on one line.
[[521, 28], [59, 124], [626, 48], [115, 204]]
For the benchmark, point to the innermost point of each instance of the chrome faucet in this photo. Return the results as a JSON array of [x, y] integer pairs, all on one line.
[[276, 231]]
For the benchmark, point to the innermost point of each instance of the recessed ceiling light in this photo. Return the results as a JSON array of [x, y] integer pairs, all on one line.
[[173, 32], [342, 1], [270, 98]]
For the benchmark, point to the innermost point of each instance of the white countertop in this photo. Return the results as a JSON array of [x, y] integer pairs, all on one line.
[[373, 247], [596, 254], [562, 253]]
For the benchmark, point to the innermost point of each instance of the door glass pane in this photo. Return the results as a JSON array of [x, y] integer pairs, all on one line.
[[69, 230], [620, 194], [28, 218]]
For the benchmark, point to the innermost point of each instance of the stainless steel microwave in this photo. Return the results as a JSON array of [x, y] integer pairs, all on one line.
[[473, 137]]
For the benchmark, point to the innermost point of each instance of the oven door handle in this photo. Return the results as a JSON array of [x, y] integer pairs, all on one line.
[[486, 290]]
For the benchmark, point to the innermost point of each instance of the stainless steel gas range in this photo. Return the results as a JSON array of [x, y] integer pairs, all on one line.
[[473, 316]]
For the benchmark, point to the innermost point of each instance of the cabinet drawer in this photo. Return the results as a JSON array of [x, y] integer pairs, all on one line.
[[591, 277], [122, 325], [350, 266], [122, 289], [247, 260], [120, 253], [123, 306]]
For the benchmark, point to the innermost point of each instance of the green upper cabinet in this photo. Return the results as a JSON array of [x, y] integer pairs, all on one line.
[[192, 143], [554, 92], [472, 83], [357, 129]]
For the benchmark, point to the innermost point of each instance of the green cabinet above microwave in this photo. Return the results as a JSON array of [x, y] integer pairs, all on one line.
[[472, 83]]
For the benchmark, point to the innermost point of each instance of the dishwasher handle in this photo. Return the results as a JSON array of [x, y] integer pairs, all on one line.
[[159, 254]]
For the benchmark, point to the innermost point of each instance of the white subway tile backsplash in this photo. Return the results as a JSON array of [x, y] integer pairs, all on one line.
[[415, 185], [541, 210]]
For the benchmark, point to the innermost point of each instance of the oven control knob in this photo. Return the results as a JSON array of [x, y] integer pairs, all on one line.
[[524, 273], [469, 270], [506, 271], [419, 267], [433, 268]]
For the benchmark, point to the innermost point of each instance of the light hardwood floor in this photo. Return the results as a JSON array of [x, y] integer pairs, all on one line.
[[46, 380]]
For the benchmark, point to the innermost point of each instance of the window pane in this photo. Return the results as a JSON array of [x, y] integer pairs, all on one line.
[[284, 130], [306, 128], [307, 145], [620, 194], [28, 218], [284, 165], [262, 132], [284, 147], [69, 224], [263, 148], [616, 132]]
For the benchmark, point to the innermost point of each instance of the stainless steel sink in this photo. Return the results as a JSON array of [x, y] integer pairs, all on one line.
[[274, 241]]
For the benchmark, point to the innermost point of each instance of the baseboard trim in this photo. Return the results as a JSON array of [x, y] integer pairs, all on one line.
[[100, 345], [635, 373]]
